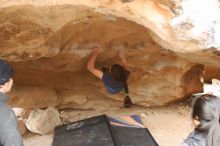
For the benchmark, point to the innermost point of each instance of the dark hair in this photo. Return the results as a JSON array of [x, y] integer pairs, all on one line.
[[6, 72], [121, 75], [207, 109]]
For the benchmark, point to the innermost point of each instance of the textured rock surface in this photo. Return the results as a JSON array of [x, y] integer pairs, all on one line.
[[212, 73], [22, 113], [43, 121], [49, 43], [21, 126], [30, 97]]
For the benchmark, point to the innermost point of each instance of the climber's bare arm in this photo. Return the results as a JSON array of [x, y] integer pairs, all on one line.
[[91, 64], [121, 54]]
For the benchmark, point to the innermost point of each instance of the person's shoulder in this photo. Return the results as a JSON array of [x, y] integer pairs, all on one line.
[[184, 144], [190, 144], [4, 106], [195, 139], [106, 74]]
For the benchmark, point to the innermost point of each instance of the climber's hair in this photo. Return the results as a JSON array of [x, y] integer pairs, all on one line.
[[119, 74], [207, 109]]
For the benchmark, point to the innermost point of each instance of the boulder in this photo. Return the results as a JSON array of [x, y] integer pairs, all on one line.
[[43, 121]]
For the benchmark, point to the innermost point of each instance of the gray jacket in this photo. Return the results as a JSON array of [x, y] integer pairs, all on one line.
[[9, 133], [195, 139]]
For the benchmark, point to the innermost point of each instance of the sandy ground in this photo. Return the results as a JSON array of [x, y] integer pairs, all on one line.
[[168, 125]]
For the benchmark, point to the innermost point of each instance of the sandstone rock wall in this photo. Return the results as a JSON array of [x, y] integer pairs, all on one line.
[[49, 43]]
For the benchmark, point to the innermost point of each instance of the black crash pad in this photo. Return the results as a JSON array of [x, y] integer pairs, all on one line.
[[95, 131], [130, 136]]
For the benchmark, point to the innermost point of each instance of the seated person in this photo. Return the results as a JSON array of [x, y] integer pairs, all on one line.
[[205, 115], [114, 78]]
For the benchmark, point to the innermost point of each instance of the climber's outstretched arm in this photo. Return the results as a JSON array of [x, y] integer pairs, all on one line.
[[121, 54], [91, 64]]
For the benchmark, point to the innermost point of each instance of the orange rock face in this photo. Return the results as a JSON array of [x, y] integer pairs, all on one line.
[[49, 46]]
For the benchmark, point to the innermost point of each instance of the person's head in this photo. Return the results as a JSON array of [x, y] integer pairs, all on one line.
[[6, 73], [119, 74], [205, 114]]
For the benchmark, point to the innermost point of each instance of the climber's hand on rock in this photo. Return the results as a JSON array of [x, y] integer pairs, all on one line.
[[96, 51], [121, 53]]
